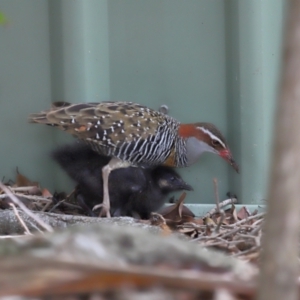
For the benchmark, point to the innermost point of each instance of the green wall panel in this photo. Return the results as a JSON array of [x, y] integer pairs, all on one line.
[[253, 37], [24, 88], [172, 52], [207, 60]]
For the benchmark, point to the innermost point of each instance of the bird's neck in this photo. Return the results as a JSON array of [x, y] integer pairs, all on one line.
[[194, 149], [195, 144], [187, 130]]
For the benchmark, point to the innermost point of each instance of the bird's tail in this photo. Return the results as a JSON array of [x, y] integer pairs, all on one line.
[[43, 116], [38, 118]]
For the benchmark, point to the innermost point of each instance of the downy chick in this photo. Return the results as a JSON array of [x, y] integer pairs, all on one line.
[[134, 191]]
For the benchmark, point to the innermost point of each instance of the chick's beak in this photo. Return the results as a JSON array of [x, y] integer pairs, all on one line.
[[226, 154], [187, 187], [182, 185]]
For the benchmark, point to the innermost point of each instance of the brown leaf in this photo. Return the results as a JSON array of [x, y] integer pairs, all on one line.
[[191, 232], [189, 219], [186, 230], [166, 225], [224, 221], [158, 220], [243, 213], [174, 212], [255, 212], [234, 214], [46, 193], [209, 222], [35, 191], [186, 212], [22, 180], [198, 221], [245, 245]]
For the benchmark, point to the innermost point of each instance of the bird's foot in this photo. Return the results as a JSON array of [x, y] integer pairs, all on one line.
[[105, 211]]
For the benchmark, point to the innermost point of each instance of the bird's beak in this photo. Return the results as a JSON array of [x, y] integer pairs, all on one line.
[[226, 154], [182, 185], [186, 187]]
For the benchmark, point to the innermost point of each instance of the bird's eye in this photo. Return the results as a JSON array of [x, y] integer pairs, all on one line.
[[172, 178], [215, 143]]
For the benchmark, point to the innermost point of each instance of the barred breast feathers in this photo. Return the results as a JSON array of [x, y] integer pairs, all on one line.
[[126, 130]]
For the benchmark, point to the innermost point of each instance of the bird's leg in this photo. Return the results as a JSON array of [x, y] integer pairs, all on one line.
[[106, 202], [113, 164]]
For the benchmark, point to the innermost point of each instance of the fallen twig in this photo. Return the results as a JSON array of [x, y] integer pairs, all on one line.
[[215, 181], [38, 198], [19, 218], [221, 205], [24, 208]]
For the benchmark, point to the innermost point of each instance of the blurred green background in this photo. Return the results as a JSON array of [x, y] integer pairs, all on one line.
[[207, 60]]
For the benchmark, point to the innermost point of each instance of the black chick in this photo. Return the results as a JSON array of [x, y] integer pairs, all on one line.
[[133, 191], [160, 182]]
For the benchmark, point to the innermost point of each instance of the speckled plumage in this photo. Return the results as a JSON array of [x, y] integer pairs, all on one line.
[[132, 134], [129, 131]]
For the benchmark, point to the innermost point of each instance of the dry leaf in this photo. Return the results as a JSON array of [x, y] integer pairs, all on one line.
[[22, 180], [175, 211], [198, 221], [243, 213], [234, 214], [35, 191], [189, 219], [209, 222], [46, 193], [224, 221], [158, 220], [191, 232]]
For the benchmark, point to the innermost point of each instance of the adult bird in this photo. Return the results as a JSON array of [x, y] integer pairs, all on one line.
[[135, 135]]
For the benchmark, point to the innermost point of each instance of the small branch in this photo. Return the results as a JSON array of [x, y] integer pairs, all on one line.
[[215, 181], [247, 220], [253, 249], [10, 225], [46, 206], [56, 205], [22, 188], [15, 200], [30, 197], [222, 217], [12, 237], [38, 198], [221, 205], [19, 218]]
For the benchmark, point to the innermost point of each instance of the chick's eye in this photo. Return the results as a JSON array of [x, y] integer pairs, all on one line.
[[172, 178]]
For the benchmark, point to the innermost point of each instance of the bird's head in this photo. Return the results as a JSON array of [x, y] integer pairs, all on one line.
[[205, 137], [168, 180]]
